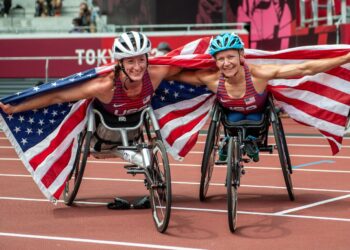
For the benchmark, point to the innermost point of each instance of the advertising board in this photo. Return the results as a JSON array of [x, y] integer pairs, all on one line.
[[39, 56]]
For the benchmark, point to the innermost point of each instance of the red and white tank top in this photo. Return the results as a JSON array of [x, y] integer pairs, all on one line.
[[122, 105], [251, 102]]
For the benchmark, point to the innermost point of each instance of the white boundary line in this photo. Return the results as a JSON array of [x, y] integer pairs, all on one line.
[[103, 242], [197, 183], [204, 210], [313, 205]]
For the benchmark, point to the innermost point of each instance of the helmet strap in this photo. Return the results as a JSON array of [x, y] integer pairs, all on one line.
[[241, 57]]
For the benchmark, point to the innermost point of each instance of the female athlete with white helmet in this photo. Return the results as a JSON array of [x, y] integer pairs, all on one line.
[[124, 91]]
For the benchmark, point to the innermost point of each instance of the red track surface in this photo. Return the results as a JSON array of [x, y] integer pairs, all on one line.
[[319, 219]]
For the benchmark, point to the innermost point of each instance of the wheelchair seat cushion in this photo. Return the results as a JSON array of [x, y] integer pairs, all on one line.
[[245, 123], [114, 121]]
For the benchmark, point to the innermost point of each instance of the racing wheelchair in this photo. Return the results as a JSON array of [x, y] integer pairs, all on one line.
[[237, 134], [147, 155]]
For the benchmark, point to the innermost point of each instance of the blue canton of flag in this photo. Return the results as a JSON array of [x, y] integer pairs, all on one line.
[[31, 127], [170, 92], [63, 82]]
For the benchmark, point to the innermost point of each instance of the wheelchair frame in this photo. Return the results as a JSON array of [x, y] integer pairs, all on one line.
[[149, 159], [236, 152]]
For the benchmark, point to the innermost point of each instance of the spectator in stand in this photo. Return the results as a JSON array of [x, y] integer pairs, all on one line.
[[85, 16], [5, 7], [77, 26], [56, 7], [163, 48], [41, 8], [49, 8], [95, 15]]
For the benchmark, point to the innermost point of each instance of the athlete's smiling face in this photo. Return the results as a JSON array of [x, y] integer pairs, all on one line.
[[135, 66], [229, 62]]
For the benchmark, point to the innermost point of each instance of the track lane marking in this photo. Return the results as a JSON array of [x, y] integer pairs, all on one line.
[[202, 210], [313, 204], [196, 183], [312, 163], [101, 242]]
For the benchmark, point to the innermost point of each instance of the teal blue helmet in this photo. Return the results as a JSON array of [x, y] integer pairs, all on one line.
[[225, 41]]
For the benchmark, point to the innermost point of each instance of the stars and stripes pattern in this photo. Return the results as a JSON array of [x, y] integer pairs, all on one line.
[[322, 100], [45, 140], [181, 110]]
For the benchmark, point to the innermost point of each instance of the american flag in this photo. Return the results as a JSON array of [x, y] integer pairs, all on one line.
[[321, 101], [44, 138], [181, 110]]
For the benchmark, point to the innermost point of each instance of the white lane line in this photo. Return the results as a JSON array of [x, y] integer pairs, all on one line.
[[263, 214], [219, 166], [315, 136], [313, 205], [117, 160], [196, 183], [293, 155], [102, 242], [202, 210]]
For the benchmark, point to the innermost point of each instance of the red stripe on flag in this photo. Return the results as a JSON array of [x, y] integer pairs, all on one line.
[[334, 146], [301, 54], [189, 145], [179, 131], [322, 90], [180, 113], [202, 45], [74, 119], [57, 167], [198, 62], [59, 191], [313, 110], [340, 72]]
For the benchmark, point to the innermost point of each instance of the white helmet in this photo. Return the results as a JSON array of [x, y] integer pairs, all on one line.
[[131, 44]]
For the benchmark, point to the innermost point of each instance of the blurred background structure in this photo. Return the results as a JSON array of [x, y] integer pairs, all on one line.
[[49, 39]]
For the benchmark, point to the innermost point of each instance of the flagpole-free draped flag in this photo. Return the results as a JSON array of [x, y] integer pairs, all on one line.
[[321, 100], [44, 138]]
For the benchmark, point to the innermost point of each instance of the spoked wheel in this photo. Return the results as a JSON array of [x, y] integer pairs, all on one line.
[[209, 158], [160, 187], [232, 181], [74, 179], [283, 154]]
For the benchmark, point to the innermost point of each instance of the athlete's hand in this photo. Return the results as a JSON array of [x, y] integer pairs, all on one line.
[[7, 108]]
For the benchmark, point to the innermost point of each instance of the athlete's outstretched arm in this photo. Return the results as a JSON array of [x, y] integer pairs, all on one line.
[[195, 77], [307, 68], [90, 89]]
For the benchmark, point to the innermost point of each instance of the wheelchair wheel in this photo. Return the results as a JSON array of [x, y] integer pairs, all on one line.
[[74, 179], [160, 187], [285, 146], [283, 154], [232, 182], [209, 158]]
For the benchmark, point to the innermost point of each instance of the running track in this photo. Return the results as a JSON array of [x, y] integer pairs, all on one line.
[[319, 218]]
